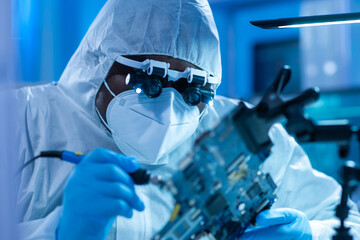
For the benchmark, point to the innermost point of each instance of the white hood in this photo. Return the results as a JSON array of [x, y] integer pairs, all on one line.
[[183, 29]]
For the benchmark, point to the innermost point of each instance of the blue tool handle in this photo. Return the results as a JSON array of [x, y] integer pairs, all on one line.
[[140, 176], [72, 157]]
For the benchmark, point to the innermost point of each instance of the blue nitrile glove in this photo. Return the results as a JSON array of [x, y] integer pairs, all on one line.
[[98, 190], [278, 224]]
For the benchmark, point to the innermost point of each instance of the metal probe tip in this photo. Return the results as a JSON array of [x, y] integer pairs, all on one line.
[[156, 180]]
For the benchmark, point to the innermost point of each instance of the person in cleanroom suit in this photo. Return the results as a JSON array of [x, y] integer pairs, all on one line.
[[96, 199]]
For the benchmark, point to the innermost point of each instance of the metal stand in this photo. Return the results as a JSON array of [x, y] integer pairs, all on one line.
[[350, 173]]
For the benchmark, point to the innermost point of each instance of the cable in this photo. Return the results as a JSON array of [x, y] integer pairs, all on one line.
[[26, 164], [53, 154]]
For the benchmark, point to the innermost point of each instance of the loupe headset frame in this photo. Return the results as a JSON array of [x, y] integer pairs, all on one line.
[[149, 73]]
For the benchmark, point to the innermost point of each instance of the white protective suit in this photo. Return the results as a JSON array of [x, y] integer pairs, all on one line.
[[62, 117]]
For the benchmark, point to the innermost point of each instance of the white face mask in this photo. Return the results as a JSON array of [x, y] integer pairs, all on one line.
[[150, 128]]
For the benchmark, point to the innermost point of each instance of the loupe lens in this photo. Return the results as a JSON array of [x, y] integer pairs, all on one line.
[[152, 87], [192, 96]]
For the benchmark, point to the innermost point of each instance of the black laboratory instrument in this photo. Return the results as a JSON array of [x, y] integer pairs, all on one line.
[[341, 132]]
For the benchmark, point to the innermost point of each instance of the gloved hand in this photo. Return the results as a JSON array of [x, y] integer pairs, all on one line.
[[98, 190], [277, 224]]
